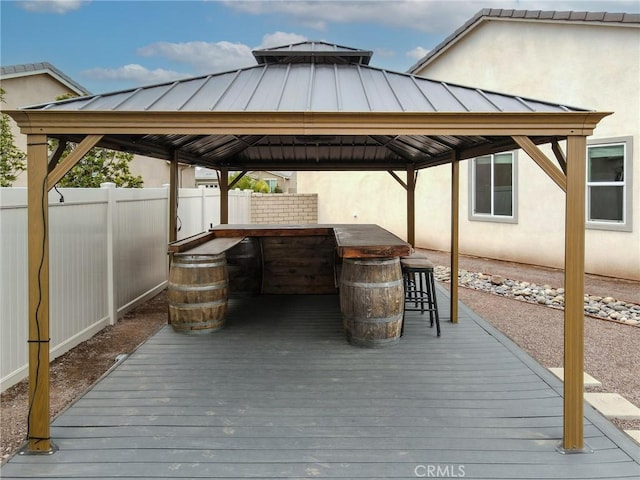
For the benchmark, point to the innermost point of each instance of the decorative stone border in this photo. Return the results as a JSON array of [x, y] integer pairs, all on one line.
[[604, 308]]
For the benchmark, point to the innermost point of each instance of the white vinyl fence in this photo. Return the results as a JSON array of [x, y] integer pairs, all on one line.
[[107, 254], [199, 209]]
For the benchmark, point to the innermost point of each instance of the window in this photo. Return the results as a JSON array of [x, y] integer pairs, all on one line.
[[608, 184], [272, 185], [492, 187]]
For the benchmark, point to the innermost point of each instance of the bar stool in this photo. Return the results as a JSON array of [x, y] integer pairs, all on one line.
[[419, 288]]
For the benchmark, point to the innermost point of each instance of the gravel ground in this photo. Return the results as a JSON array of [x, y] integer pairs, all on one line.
[[611, 349]]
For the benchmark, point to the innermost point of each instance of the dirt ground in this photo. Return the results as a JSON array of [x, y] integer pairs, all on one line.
[[612, 354], [74, 372]]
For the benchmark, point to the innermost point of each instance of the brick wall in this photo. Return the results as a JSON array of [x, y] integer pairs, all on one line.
[[281, 208]]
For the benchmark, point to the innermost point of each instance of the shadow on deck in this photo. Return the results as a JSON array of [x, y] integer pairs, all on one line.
[[280, 394]]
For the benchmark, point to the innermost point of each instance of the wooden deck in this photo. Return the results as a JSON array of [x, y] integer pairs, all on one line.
[[280, 394]]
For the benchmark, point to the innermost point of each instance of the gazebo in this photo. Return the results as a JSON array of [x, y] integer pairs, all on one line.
[[310, 106]]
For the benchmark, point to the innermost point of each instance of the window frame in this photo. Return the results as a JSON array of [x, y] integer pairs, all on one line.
[[626, 225], [491, 217]]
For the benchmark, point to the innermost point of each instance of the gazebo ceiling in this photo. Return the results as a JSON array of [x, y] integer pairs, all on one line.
[[326, 110]]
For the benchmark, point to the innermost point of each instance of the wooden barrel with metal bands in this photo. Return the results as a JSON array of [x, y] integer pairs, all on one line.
[[371, 300], [198, 292]]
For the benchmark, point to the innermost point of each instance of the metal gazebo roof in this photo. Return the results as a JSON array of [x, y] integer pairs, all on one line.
[[308, 77], [293, 112]]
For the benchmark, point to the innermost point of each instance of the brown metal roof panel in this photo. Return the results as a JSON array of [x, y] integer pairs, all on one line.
[[352, 95], [175, 97], [207, 94], [473, 100], [140, 99], [324, 95], [99, 102], [268, 89], [410, 96], [293, 95], [380, 96], [440, 97], [237, 97]]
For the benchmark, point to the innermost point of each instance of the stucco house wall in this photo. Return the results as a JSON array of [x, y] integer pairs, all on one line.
[[29, 90], [595, 66], [32, 84]]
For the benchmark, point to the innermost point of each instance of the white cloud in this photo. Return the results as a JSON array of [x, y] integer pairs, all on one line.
[[278, 39], [211, 57], [201, 57], [441, 17], [428, 16], [51, 6], [384, 52], [134, 73], [417, 53], [205, 57]]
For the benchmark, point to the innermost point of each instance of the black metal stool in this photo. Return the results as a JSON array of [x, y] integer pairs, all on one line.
[[419, 288]]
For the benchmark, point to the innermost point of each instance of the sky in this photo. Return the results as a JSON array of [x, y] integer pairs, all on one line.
[[109, 45]]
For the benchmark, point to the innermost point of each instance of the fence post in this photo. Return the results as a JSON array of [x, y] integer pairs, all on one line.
[[203, 210], [111, 278]]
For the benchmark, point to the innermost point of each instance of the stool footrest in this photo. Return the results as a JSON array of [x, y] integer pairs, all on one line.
[[420, 290]]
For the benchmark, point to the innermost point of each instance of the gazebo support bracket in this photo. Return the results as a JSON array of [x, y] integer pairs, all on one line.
[[542, 160], [72, 159], [557, 151]]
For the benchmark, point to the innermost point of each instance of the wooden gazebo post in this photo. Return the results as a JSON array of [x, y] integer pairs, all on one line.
[[173, 198], [411, 205], [573, 439], [455, 215], [223, 183], [38, 248]]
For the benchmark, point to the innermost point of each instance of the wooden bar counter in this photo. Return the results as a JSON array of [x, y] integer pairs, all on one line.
[[360, 262]]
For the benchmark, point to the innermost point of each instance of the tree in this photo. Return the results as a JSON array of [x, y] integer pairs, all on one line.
[[248, 183], [98, 166], [245, 183], [12, 159], [261, 187]]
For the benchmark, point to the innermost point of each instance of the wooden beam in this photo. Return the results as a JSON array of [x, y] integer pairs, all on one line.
[[557, 151], [455, 230], [397, 178], [38, 248], [223, 183], [411, 205], [542, 160], [173, 198], [57, 155], [237, 179], [56, 122], [573, 438], [72, 159]]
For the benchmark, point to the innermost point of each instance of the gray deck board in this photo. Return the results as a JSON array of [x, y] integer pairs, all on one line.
[[280, 394]]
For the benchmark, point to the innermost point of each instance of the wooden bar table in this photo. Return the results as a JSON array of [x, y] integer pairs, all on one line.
[[360, 262]]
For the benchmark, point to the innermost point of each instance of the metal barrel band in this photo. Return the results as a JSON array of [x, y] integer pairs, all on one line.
[[198, 288], [198, 305], [392, 283], [198, 265], [377, 320]]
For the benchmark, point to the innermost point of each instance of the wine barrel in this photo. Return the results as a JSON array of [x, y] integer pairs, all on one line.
[[197, 293], [244, 264], [372, 300]]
